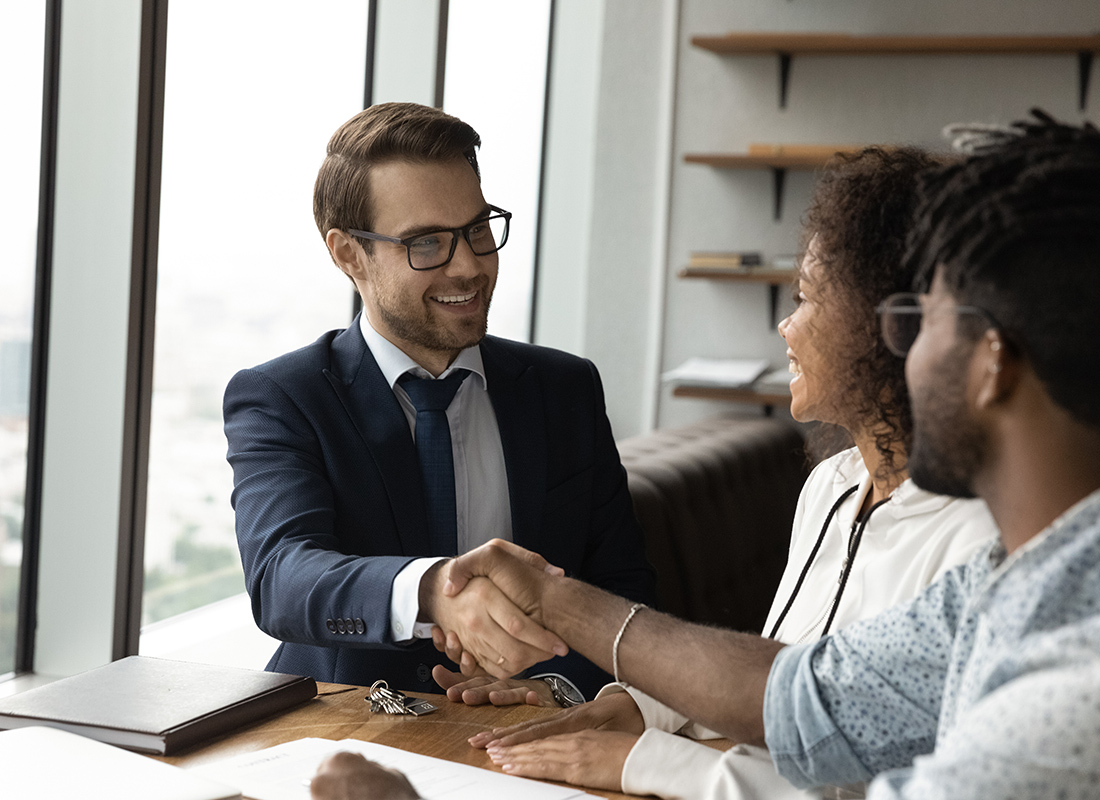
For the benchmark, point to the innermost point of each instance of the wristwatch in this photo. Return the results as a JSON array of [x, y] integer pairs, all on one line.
[[565, 694]]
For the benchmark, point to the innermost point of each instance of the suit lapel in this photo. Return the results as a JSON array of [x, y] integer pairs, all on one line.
[[517, 397], [377, 416]]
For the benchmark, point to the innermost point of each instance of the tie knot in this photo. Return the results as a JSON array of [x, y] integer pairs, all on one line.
[[429, 394]]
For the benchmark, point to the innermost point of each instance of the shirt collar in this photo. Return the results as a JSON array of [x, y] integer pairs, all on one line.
[[395, 362]]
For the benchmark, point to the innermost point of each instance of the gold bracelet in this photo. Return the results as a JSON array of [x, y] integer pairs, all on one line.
[[615, 647]]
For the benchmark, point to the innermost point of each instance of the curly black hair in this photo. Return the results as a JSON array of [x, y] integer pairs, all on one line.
[[859, 220]]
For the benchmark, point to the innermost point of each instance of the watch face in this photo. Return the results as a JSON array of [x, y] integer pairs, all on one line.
[[564, 692]]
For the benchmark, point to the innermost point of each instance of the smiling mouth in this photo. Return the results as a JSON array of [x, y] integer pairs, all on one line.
[[793, 366], [455, 299]]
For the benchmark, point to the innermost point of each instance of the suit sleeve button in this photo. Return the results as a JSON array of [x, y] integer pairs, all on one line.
[[360, 626], [340, 626], [331, 625]]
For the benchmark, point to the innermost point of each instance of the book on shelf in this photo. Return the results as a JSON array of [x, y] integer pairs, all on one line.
[[738, 261], [154, 705], [732, 373], [50, 764]]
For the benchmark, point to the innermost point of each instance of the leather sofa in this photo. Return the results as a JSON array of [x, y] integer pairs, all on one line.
[[716, 501]]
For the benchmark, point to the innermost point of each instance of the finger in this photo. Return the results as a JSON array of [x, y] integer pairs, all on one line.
[[538, 729], [520, 628], [445, 678], [454, 647], [439, 639], [482, 560], [510, 696]]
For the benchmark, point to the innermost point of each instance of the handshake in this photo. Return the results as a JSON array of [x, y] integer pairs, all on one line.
[[490, 613]]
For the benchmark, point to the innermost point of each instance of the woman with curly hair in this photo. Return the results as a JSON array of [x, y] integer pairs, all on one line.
[[864, 537]]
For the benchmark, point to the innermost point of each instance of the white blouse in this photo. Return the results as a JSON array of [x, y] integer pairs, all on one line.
[[908, 542]]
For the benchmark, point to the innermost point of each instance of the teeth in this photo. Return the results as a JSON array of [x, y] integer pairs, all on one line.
[[455, 298], [793, 368]]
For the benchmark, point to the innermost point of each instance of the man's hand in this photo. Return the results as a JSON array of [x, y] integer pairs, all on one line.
[[516, 571], [587, 758], [349, 776], [493, 630], [484, 689], [612, 712]]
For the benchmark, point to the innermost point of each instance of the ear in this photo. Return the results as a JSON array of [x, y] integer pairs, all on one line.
[[346, 252], [998, 370]]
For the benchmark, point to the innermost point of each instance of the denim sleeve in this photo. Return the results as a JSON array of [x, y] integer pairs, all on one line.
[[868, 698], [807, 747]]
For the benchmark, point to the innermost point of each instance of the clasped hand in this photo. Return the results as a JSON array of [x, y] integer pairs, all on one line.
[[486, 606]]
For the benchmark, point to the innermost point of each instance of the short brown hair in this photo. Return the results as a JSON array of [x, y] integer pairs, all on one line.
[[383, 132]]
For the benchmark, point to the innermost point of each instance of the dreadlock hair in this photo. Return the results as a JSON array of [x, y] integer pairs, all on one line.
[[858, 221], [1015, 230]]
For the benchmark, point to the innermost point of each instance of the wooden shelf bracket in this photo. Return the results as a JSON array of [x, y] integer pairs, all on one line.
[[784, 77], [1084, 70]]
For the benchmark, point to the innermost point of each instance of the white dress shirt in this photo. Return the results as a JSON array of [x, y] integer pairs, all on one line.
[[909, 542], [481, 481]]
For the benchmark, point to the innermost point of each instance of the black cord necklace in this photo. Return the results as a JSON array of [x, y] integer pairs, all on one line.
[[854, 538]]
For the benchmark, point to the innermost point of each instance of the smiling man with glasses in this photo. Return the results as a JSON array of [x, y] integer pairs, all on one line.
[[365, 459]]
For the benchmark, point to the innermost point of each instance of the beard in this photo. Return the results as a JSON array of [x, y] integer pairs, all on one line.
[[949, 448], [417, 325]]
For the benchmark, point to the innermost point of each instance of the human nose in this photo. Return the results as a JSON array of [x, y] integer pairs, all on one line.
[[782, 326], [463, 262]]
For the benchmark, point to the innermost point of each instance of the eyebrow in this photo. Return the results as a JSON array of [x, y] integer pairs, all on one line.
[[420, 230]]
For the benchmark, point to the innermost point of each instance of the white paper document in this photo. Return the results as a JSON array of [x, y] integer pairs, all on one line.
[[729, 372], [283, 772]]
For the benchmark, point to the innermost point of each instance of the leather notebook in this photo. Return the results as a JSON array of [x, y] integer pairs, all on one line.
[[154, 705]]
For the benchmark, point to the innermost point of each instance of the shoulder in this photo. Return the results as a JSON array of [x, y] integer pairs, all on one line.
[[557, 369]]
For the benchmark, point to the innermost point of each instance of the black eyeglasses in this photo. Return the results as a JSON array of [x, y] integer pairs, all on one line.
[[900, 318], [435, 249]]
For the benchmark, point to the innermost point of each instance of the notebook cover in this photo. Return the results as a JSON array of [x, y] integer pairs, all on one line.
[[154, 705]]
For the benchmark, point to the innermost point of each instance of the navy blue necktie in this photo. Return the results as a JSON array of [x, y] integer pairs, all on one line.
[[433, 449]]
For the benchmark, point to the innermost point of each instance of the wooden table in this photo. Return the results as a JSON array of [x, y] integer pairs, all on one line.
[[340, 712]]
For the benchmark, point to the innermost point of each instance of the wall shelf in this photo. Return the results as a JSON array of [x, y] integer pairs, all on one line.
[[787, 45], [776, 157], [774, 278]]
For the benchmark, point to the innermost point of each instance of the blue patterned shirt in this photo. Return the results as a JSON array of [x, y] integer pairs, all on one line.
[[986, 685]]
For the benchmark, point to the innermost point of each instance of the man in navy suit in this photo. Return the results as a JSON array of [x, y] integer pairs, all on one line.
[[337, 506]]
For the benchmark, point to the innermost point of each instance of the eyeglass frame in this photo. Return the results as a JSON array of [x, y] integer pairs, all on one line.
[[464, 232], [885, 307]]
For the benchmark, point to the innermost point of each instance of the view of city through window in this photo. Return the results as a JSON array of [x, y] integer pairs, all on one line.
[[243, 274], [22, 37]]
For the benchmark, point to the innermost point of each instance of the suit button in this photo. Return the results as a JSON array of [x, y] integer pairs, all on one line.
[[331, 625], [349, 625], [360, 626], [423, 673], [340, 626]]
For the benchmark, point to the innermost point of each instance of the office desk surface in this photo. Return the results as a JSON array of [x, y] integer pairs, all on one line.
[[340, 712]]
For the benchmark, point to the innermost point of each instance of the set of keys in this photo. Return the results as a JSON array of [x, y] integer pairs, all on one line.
[[390, 701]]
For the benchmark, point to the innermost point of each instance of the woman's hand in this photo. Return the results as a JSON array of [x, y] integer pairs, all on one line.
[[612, 712], [484, 689], [585, 758]]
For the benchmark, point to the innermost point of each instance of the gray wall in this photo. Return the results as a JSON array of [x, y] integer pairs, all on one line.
[[657, 98]]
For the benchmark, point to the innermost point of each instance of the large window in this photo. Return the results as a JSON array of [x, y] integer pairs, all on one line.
[[496, 80], [22, 38], [243, 276]]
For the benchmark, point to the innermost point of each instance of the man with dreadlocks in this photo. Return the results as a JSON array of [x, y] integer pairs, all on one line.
[[988, 683]]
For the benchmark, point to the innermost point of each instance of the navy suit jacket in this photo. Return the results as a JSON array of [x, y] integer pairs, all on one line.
[[330, 506]]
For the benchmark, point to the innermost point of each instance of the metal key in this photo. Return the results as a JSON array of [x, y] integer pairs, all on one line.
[[390, 701]]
